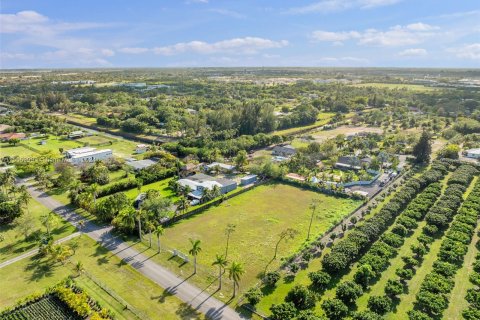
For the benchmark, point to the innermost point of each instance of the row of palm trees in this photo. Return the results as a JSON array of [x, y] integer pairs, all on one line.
[[235, 270]]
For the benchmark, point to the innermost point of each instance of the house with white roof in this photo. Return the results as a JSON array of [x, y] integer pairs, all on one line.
[[87, 154], [473, 153]]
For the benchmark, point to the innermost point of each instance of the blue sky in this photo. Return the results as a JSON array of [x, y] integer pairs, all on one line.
[[199, 33]]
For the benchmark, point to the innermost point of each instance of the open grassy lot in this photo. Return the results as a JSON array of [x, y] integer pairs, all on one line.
[[7, 150], [34, 275], [259, 215], [161, 186], [397, 86], [323, 135], [322, 119], [14, 242]]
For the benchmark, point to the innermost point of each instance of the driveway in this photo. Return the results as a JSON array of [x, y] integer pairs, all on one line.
[[188, 293]]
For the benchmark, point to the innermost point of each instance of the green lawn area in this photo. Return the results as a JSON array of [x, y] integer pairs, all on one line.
[[18, 150], [79, 118], [259, 215], [161, 186], [53, 144], [14, 242], [34, 275], [322, 119], [95, 139], [397, 86]]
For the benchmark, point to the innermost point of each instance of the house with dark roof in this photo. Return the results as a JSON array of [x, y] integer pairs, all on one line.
[[199, 182], [284, 151], [348, 163]]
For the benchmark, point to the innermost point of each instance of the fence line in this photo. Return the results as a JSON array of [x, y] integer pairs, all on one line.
[[139, 314]]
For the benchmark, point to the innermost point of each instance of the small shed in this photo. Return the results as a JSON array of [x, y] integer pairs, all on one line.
[[248, 180]]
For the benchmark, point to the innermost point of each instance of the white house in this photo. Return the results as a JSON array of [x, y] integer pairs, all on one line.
[[141, 148], [473, 153], [87, 154]]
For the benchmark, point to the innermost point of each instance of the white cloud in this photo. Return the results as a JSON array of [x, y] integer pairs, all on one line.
[[34, 29], [247, 45], [395, 36], [133, 50], [413, 52], [327, 6], [15, 56], [228, 13], [468, 51], [334, 36]]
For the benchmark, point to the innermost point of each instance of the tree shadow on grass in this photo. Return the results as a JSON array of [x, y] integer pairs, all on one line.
[[40, 268], [185, 311], [165, 294]]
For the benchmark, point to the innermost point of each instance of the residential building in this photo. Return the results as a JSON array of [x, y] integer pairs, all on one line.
[[12, 135], [284, 151], [138, 165], [87, 154], [248, 179], [473, 153], [199, 182], [222, 167], [348, 162], [141, 148], [4, 127], [76, 134]]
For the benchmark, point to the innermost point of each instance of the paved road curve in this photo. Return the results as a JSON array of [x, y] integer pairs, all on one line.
[[195, 297]]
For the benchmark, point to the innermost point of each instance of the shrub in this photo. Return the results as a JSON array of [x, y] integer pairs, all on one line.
[[253, 296], [334, 309], [366, 315], [380, 304], [393, 288], [348, 292], [271, 278], [320, 279], [283, 311], [301, 297], [363, 275]]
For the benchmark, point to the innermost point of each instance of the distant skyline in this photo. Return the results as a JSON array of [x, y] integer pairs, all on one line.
[[211, 33]]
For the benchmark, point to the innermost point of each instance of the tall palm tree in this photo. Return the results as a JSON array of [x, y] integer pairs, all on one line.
[[183, 204], [221, 262], [24, 197], [228, 231], [49, 220], [159, 231], [93, 190], [139, 215], [150, 227], [194, 251], [235, 272]]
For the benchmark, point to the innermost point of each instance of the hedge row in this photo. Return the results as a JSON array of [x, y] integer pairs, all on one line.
[[346, 251], [433, 297]]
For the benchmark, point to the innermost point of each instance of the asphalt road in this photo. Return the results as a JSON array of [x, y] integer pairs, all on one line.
[[182, 289]]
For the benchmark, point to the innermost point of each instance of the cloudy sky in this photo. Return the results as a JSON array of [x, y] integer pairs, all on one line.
[[195, 33]]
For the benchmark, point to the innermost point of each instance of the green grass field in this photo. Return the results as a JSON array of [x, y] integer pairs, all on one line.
[[161, 186], [322, 119], [34, 275], [14, 242], [397, 86], [259, 215]]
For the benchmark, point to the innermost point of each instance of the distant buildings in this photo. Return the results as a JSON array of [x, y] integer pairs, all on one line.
[[248, 179], [74, 82], [473, 153], [284, 151], [12, 135], [76, 134], [87, 154], [222, 167]]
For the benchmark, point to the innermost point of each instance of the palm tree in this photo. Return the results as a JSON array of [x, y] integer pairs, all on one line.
[[159, 231], [79, 267], [183, 204], [228, 231], [126, 218], [24, 197], [150, 227], [216, 192], [194, 251], [221, 262], [313, 207], [235, 271], [139, 215], [93, 190], [49, 221]]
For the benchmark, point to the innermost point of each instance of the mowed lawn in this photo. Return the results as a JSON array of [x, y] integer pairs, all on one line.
[[14, 242], [259, 215], [161, 186], [32, 275]]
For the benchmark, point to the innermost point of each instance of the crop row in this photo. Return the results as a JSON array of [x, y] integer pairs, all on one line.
[[47, 308], [433, 297], [348, 250]]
